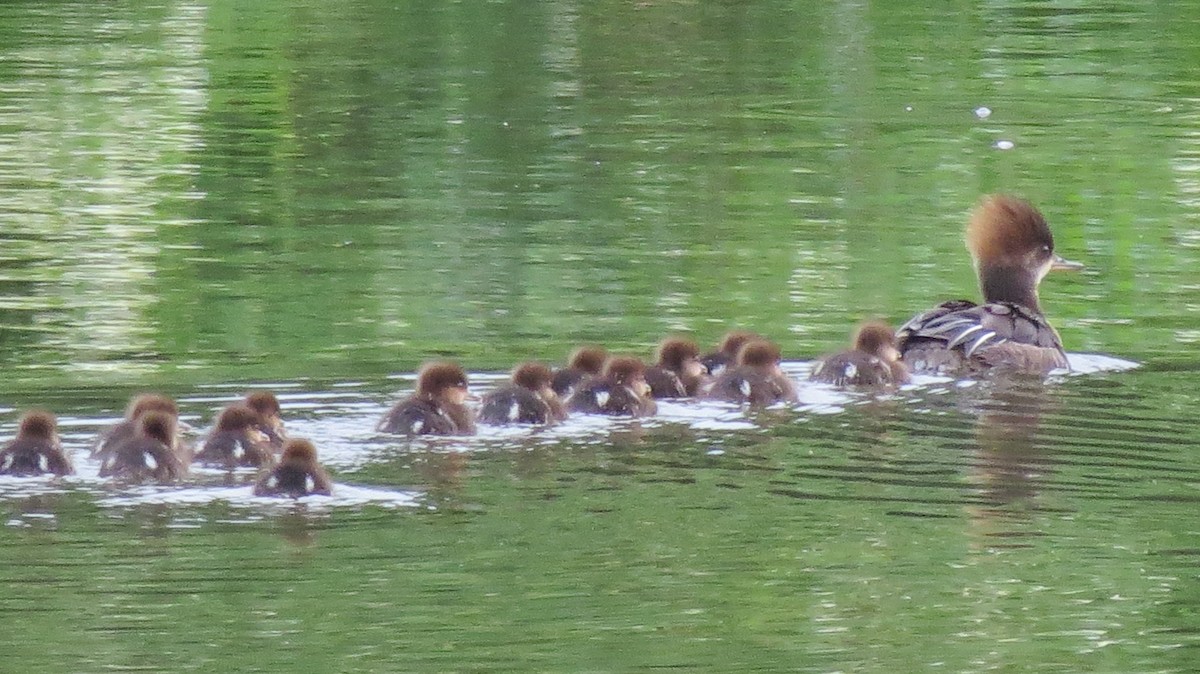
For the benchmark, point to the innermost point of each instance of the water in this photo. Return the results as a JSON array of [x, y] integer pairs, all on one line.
[[206, 197]]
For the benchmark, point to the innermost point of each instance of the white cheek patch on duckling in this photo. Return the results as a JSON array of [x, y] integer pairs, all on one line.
[[43, 463], [417, 427], [149, 460], [6, 463], [309, 483], [239, 450], [273, 482], [850, 371], [601, 398], [745, 387], [514, 411]]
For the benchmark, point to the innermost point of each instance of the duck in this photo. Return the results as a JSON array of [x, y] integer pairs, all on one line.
[[585, 362], [727, 350], [677, 371], [150, 454], [271, 417], [437, 407], [620, 390], [755, 378], [236, 440], [36, 450], [1012, 249], [527, 399], [127, 428], [873, 360], [298, 473]]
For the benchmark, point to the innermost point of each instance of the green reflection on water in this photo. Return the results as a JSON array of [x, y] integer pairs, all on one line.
[[301, 190], [206, 193], [852, 541]]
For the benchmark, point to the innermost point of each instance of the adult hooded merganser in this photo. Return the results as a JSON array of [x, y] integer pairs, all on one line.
[[756, 378], [620, 390], [585, 362], [298, 473], [527, 399], [727, 350], [874, 360], [678, 371], [149, 454], [36, 449], [436, 408], [127, 428], [237, 440], [271, 418], [1013, 250]]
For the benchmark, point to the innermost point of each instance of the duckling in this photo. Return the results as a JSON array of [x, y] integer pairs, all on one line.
[[149, 454], [678, 371], [237, 440], [621, 390], [436, 408], [298, 473], [527, 399], [127, 428], [756, 378], [36, 449], [267, 406], [585, 362], [874, 360], [727, 350]]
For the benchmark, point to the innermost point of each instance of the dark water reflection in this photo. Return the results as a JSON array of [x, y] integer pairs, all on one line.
[[204, 197]]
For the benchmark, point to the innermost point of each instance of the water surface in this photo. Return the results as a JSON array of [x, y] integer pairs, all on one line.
[[206, 197]]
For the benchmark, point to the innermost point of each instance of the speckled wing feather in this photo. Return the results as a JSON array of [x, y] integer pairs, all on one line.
[[961, 335]]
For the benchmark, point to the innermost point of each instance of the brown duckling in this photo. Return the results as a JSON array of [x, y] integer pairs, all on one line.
[[36, 449], [298, 473], [237, 439], [727, 351], [874, 360], [127, 428], [678, 371], [436, 408], [149, 454], [271, 423], [620, 390], [756, 378], [585, 362], [527, 399]]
